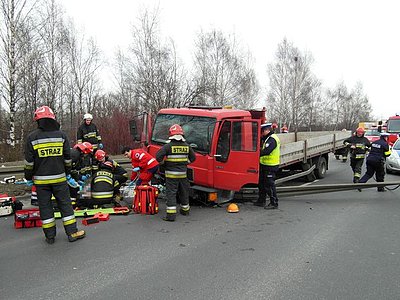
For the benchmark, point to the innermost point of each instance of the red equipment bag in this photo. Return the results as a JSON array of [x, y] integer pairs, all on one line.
[[145, 200], [27, 218]]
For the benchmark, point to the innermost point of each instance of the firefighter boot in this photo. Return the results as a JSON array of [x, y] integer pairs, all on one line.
[[356, 179], [50, 241], [185, 210], [80, 234], [170, 217]]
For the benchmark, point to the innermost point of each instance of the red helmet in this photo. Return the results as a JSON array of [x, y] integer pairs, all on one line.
[[84, 147], [44, 112], [360, 131], [175, 129], [99, 155]]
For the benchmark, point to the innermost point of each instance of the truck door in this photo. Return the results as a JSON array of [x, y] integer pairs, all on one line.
[[236, 156]]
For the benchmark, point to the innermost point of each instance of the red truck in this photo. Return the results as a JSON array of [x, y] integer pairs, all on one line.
[[393, 127], [227, 146]]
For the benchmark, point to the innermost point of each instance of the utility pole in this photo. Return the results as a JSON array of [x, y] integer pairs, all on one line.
[[294, 105]]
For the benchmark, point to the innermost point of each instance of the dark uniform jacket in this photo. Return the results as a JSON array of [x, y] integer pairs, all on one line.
[[379, 150], [47, 157], [81, 164], [178, 154], [89, 133], [362, 144]]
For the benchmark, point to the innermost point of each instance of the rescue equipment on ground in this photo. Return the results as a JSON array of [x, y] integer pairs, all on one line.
[[123, 210], [145, 200], [232, 208], [27, 218], [98, 217], [8, 205]]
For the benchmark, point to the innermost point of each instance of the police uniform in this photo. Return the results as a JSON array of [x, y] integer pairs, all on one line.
[[178, 154], [47, 163], [357, 154], [376, 161], [269, 166]]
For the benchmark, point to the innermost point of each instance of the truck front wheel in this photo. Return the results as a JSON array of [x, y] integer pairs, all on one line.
[[321, 167]]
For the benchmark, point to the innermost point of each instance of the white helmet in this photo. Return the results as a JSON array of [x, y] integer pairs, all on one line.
[[87, 116]]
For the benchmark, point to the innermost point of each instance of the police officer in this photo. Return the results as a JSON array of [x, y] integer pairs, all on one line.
[[88, 132], [359, 145], [376, 160], [178, 154], [47, 165], [269, 166]]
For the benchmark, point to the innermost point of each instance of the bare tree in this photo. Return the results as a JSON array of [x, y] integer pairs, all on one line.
[[293, 87], [13, 14], [85, 63], [153, 67], [224, 74]]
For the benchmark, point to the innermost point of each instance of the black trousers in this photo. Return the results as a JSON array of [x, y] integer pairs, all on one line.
[[266, 184], [177, 188], [61, 193], [374, 167]]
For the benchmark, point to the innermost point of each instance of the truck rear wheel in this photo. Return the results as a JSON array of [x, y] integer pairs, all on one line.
[[320, 168]]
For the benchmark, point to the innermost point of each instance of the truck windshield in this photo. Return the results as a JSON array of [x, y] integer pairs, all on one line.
[[393, 125], [198, 130]]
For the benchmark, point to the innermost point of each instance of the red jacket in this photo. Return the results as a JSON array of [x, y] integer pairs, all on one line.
[[142, 159]]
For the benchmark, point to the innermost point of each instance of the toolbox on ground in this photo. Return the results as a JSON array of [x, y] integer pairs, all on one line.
[[27, 218]]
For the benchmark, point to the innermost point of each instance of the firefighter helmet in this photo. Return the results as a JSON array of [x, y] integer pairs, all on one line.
[[88, 116], [360, 130], [175, 130], [84, 147], [232, 208], [44, 112], [100, 155]]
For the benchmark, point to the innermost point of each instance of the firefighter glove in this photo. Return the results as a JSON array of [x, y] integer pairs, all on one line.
[[137, 169], [85, 177], [72, 182]]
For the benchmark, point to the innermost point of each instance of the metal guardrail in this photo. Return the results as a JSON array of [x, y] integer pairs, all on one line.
[[19, 169]]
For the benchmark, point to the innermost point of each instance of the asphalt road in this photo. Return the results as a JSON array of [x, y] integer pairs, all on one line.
[[343, 245]]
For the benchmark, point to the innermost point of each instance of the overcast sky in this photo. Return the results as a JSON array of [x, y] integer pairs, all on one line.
[[351, 40]]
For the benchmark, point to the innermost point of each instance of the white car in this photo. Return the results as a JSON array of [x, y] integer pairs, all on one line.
[[393, 161]]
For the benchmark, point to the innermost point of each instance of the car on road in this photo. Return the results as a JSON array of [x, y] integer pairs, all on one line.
[[372, 135], [393, 161]]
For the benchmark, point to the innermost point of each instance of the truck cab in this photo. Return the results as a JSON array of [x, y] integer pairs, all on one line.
[[226, 142]]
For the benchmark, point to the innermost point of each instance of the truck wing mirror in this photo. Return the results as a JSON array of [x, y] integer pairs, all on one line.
[[133, 130]]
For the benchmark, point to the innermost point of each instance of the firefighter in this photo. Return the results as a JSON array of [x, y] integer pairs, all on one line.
[[376, 160], [284, 129], [359, 145], [88, 132], [142, 162], [269, 166], [47, 165], [177, 154], [81, 156], [119, 174]]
